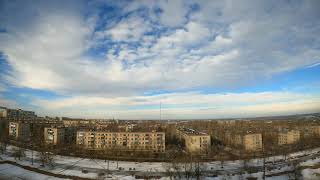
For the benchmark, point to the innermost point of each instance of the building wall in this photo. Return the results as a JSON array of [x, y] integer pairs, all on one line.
[[59, 135], [252, 142], [20, 114], [289, 137], [19, 130], [146, 141], [3, 112], [197, 143], [315, 130], [54, 135]]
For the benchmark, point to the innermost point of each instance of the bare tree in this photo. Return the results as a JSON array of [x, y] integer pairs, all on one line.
[[4, 140], [169, 170], [46, 158], [18, 153], [3, 146]]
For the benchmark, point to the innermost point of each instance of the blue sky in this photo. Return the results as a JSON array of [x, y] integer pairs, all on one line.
[[199, 59]]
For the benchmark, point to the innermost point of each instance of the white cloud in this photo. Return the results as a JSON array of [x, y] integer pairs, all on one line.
[[185, 105], [173, 13], [129, 29], [2, 88], [170, 13], [221, 45]]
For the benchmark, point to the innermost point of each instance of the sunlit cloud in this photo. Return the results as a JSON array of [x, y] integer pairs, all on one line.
[[97, 56]]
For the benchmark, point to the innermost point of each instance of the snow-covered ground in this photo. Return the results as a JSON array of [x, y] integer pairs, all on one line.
[[68, 165], [8, 171], [311, 174]]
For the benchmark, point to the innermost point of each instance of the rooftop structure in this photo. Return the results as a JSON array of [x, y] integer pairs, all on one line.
[[195, 142]]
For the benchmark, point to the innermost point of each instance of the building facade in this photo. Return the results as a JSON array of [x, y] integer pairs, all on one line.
[[54, 136], [19, 130], [315, 130], [142, 141], [288, 137], [59, 135], [195, 142], [3, 112], [252, 142], [249, 141], [17, 114]]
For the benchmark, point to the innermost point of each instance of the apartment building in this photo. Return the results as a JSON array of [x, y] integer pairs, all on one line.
[[143, 141], [250, 141], [315, 130], [59, 135], [195, 142], [54, 135], [19, 114], [76, 122], [288, 137], [3, 112], [19, 130]]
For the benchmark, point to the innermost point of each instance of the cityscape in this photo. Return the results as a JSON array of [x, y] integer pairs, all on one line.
[[160, 89], [183, 147]]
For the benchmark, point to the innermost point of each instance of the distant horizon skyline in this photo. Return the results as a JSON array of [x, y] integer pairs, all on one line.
[[200, 59], [160, 119]]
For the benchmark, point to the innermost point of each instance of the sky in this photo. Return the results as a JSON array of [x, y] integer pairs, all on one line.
[[199, 59]]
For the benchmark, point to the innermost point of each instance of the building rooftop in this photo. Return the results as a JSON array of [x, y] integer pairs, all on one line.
[[192, 132]]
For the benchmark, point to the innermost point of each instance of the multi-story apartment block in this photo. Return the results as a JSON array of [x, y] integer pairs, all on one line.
[[59, 135], [54, 135], [143, 141], [315, 130], [19, 130], [288, 137], [18, 114], [248, 140], [252, 142], [3, 112], [195, 142]]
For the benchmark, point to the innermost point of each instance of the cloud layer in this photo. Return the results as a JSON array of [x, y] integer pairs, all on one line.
[[184, 105], [113, 52]]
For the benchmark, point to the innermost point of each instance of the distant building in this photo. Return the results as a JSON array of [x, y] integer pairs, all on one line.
[[70, 122], [195, 142], [18, 114], [288, 137], [142, 141], [315, 130], [19, 130], [248, 140], [252, 142], [3, 112], [226, 122], [75, 122]]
